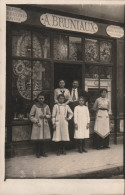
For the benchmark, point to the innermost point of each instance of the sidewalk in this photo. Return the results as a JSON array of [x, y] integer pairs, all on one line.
[[94, 164]]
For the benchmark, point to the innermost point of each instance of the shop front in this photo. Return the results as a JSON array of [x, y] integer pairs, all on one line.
[[44, 46]]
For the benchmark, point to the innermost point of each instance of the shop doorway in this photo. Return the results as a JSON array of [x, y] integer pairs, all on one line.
[[67, 72]]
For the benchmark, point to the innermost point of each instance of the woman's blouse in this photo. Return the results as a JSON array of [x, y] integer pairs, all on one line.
[[101, 103], [63, 91]]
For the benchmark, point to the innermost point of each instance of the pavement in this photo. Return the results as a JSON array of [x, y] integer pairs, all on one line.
[[106, 163]]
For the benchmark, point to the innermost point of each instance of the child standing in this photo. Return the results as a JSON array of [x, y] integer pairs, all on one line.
[[39, 115], [81, 120], [60, 116]]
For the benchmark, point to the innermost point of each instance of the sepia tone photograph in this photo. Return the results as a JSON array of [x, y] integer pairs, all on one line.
[[64, 91]]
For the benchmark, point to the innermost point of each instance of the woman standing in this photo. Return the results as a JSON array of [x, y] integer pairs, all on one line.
[[101, 128], [62, 90]]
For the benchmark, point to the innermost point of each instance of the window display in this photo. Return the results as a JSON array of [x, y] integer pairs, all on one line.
[[75, 48], [60, 47]]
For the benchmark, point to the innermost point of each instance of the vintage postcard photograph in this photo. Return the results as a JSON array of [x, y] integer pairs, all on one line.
[[64, 88]]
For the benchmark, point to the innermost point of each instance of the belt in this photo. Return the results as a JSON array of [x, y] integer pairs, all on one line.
[[103, 109]]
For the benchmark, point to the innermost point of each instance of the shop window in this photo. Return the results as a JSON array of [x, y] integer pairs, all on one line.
[[60, 47], [22, 78], [92, 84], [75, 48], [91, 71], [30, 76], [100, 75], [91, 50], [41, 46], [96, 78], [21, 43], [41, 77], [105, 72], [29, 79], [24, 44], [105, 52]]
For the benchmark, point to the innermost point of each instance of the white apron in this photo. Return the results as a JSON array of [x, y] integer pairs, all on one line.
[[102, 127], [60, 112]]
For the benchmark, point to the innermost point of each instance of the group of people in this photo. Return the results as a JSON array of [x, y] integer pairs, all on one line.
[[70, 112]]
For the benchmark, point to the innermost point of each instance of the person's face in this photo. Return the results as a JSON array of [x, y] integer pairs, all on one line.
[[61, 84], [75, 84], [103, 94], [41, 99], [81, 101], [61, 100]]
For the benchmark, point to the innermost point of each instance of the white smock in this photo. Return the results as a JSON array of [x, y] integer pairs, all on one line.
[[81, 118]]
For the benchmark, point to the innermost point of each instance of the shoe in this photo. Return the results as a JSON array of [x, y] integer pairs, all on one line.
[[98, 148], [84, 150], [37, 155], [80, 150], [64, 152], [106, 146], [58, 153], [44, 154]]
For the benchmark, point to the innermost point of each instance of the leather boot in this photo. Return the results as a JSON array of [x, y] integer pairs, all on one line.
[[38, 149], [63, 148], [83, 146], [80, 146]]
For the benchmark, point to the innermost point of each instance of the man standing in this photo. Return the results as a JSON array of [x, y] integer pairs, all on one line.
[[75, 93]]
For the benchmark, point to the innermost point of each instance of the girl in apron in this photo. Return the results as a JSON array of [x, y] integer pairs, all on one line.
[[60, 116], [101, 128], [81, 121]]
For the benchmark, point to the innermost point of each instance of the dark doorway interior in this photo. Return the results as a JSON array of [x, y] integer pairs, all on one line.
[[67, 72]]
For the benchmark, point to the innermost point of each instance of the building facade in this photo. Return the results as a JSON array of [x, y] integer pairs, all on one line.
[[45, 44]]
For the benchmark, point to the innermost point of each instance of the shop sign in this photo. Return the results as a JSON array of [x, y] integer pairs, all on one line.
[[115, 31], [14, 14], [67, 23]]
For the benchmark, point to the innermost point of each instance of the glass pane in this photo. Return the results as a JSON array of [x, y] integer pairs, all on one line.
[[106, 81], [92, 84], [41, 45], [21, 43], [105, 72], [21, 106], [21, 81], [41, 76], [21, 89], [75, 48], [91, 71], [105, 52], [60, 47], [93, 95], [91, 50]]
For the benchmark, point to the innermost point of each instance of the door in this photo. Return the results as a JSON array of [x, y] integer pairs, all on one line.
[[67, 72]]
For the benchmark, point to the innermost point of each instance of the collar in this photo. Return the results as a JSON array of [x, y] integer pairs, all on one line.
[[61, 104], [40, 106]]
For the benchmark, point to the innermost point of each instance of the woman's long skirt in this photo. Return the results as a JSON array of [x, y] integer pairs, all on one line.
[[100, 142]]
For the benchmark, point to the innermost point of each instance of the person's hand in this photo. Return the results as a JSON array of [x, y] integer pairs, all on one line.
[[76, 127], [87, 126], [39, 125], [67, 119], [54, 127], [42, 116]]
